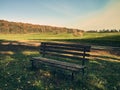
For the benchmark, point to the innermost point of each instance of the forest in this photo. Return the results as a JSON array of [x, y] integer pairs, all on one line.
[[7, 27]]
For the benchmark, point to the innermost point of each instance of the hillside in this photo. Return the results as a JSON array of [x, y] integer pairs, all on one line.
[[18, 27]]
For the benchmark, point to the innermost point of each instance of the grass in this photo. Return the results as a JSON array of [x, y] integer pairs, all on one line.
[[35, 36], [105, 39], [16, 74]]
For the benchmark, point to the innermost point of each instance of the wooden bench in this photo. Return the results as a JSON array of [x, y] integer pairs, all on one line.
[[62, 52]]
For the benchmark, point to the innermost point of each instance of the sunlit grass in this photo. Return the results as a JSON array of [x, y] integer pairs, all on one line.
[[54, 36], [109, 39], [36, 36], [29, 52]]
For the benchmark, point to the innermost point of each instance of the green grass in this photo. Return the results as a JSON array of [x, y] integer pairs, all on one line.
[[105, 39], [35, 36], [103, 72], [16, 73]]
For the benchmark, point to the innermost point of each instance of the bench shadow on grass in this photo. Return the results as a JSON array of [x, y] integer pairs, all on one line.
[[15, 72], [112, 40]]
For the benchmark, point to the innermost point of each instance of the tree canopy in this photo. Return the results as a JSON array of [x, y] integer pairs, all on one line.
[[7, 27]]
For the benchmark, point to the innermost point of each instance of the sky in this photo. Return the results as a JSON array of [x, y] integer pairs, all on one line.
[[79, 14]]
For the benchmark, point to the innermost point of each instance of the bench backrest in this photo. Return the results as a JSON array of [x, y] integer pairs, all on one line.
[[63, 50]]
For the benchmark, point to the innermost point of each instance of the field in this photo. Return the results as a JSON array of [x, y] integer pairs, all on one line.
[[105, 39], [103, 72]]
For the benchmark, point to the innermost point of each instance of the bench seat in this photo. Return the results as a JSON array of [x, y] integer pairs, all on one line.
[[59, 64]]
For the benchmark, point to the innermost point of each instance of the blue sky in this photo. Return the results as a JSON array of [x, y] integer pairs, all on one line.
[[82, 14]]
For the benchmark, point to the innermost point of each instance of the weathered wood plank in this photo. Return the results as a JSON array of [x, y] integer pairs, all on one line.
[[68, 45], [64, 56], [72, 52], [77, 47], [59, 63]]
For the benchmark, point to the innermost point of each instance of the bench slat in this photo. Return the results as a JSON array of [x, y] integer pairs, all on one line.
[[57, 65], [55, 50], [66, 65], [63, 56], [67, 47]]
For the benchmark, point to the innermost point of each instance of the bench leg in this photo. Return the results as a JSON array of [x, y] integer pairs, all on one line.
[[83, 71], [32, 63], [72, 76]]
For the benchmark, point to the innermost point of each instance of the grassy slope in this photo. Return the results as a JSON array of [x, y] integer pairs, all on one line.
[[15, 72], [108, 39]]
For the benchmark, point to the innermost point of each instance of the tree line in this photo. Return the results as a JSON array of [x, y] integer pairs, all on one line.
[[7, 27], [105, 30]]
